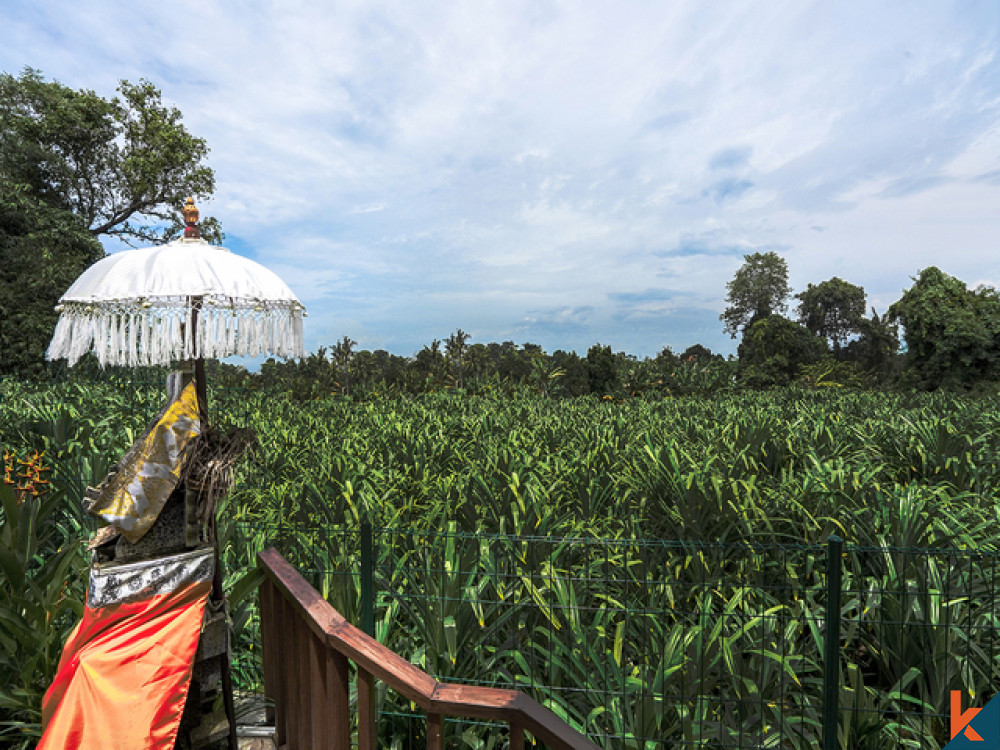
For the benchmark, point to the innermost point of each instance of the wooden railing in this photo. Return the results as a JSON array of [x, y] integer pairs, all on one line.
[[307, 646]]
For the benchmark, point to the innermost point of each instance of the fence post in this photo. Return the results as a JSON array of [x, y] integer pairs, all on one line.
[[367, 579], [831, 643]]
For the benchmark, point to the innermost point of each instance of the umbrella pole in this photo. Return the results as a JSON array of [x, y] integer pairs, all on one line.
[[201, 390], [218, 594], [200, 386]]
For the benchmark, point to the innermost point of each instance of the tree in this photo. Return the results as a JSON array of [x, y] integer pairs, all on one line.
[[832, 309], [952, 333], [312, 376], [379, 371], [877, 346], [428, 366], [342, 356], [775, 348], [124, 166], [454, 351], [666, 357], [75, 167], [759, 289], [699, 353], [509, 362], [544, 373], [575, 380], [42, 251], [477, 360], [601, 368]]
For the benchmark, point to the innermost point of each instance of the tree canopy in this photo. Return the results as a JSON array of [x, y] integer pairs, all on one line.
[[75, 167], [952, 333], [774, 349], [42, 251], [832, 309], [123, 166], [759, 289], [877, 347]]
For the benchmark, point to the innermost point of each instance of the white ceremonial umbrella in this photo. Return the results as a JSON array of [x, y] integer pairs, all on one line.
[[186, 300], [183, 300]]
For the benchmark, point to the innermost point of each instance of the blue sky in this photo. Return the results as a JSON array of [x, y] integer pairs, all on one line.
[[564, 172]]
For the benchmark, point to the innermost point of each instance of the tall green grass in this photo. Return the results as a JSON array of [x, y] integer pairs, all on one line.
[[651, 569]]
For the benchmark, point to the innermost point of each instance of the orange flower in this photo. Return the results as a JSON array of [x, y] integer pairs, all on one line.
[[29, 480], [8, 467]]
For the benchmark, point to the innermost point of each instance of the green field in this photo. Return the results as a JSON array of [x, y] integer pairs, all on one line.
[[652, 569], [787, 466]]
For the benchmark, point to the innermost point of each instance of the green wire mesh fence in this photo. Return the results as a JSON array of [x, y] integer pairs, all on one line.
[[655, 644]]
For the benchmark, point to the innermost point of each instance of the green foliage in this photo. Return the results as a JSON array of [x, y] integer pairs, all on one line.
[[43, 248], [952, 333], [429, 366], [607, 557], [43, 569], [830, 372], [74, 167], [832, 309], [575, 377], [876, 349], [123, 166], [759, 289], [484, 368], [774, 350], [454, 352], [699, 352], [602, 373]]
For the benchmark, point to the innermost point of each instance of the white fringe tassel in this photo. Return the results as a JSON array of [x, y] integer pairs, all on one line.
[[159, 333]]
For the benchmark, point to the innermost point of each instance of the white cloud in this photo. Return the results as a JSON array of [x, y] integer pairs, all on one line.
[[503, 167]]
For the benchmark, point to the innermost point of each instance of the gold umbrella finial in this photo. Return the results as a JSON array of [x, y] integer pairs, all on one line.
[[190, 211]]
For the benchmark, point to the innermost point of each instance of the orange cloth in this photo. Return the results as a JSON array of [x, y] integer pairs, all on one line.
[[124, 673]]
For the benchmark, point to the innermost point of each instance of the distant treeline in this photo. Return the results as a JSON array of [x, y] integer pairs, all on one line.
[[951, 339], [480, 368], [476, 368]]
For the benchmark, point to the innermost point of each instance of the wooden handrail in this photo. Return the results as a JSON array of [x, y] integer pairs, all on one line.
[[307, 645]]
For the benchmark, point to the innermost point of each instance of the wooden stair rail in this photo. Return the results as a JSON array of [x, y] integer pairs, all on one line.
[[307, 645]]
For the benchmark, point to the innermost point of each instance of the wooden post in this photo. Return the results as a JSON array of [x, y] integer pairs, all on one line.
[[201, 390], [367, 735], [283, 697], [321, 707], [338, 676], [516, 737], [289, 632], [435, 732], [270, 638], [191, 527], [306, 702]]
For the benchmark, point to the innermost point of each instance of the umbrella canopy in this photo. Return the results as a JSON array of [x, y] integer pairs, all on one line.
[[183, 300]]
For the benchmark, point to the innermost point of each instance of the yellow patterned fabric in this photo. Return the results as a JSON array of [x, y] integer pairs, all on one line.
[[132, 498]]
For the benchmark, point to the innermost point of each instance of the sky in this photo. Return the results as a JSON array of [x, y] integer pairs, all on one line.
[[564, 173]]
